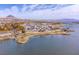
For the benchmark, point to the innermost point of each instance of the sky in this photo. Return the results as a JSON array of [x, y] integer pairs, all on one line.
[[40, 11]]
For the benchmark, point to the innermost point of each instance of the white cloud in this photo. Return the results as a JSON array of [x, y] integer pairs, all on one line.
[[71, 12], [14, 10], [66, 12]]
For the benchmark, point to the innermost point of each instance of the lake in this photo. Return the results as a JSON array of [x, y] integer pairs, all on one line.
[[44, 45]]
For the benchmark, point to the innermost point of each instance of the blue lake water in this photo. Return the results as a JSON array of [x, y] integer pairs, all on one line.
[[52, 44]]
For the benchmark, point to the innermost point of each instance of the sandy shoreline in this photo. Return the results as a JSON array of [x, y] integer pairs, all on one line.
[[6, 35], [23, 38]]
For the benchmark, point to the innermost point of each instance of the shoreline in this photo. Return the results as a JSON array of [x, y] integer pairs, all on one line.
[[24, 37], [6, 35]]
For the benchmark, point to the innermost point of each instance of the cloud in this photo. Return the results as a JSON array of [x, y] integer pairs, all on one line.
[[29, 12], [10, 11], [71, 12]]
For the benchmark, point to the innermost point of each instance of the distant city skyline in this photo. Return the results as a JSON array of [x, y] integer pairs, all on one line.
[[40, 11]]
